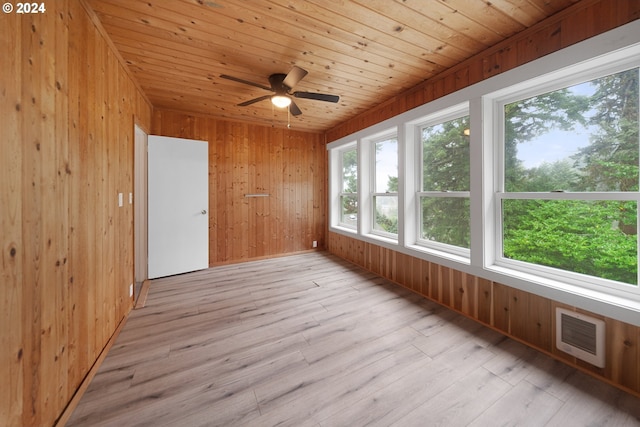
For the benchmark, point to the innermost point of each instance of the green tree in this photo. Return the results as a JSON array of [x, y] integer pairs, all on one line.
[[350, 181], [446, 163], [572, 235]]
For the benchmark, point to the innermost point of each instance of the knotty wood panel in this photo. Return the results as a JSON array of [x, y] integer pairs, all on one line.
[[579, 22], [11, 224], [518, 314], [290, 166], [68, 107]]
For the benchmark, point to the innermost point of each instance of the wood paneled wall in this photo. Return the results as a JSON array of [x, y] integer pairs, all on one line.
[[521, 315], [579, 22], [289, 165], [67, 109], [524, 316]]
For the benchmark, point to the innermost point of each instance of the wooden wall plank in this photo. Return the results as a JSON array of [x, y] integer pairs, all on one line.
[[622, 354], [31, 135], [60, 114], [13, 244], [484, 307]]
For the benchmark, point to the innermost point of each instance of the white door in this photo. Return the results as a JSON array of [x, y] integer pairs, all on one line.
[[178, 203]]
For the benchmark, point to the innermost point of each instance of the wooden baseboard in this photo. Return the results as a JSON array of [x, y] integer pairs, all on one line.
[[75, 400], [144, 292]]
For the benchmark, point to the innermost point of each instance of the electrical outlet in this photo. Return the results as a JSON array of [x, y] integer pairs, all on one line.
[[131, 290], [315, 244]]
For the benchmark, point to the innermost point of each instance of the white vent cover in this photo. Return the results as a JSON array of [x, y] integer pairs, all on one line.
[[581, 336]]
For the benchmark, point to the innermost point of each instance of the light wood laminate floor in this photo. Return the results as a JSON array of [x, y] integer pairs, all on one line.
[[311, 340]]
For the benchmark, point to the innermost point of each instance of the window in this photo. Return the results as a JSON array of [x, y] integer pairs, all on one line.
[[385, 186], [444, 195], [531, 178], [569, 197], [349, 188]]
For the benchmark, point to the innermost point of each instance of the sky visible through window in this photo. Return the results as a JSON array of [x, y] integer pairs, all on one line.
[[386, 163]]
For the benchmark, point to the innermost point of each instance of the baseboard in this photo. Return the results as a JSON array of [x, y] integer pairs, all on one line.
[[77, 396]]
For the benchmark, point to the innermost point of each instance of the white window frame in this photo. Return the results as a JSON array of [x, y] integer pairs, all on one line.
[[569, 76], [578, 62], [373, 193], [452, 113], [336, 186]]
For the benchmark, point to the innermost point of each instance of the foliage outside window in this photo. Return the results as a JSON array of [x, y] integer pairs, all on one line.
[[385, 195], [444, 199], [349, 190], [571, 178]]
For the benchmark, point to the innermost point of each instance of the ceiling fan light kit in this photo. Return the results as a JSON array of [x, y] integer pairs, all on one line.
[[281, 85], [281, 101]]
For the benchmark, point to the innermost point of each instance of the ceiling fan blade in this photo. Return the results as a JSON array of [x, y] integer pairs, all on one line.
[[247, 82], [293, 78], [317, 96], [294, 109], [253, 101]]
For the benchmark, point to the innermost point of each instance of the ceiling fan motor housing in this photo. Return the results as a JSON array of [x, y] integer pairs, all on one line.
[[277, 85]]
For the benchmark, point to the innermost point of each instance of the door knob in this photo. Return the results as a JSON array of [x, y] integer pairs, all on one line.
[[203, 212]]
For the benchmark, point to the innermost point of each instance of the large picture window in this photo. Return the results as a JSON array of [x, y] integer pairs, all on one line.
[[444, 195], [570, 188]]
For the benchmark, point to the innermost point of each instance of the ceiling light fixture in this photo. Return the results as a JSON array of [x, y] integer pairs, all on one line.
[[281, 101]]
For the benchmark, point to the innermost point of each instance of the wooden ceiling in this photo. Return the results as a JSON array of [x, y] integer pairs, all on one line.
[[365, 51]]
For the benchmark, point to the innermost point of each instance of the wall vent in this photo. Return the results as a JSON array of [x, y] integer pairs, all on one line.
[[581, 336]]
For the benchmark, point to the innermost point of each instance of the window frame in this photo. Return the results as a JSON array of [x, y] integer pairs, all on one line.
[[342, 193], [336, 186], [577, 61], [449, 114], [554, 81]]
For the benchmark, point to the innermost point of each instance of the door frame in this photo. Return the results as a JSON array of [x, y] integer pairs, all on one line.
[[140, 226]]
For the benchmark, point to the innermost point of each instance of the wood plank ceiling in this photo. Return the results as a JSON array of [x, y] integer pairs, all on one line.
[[365, 51]]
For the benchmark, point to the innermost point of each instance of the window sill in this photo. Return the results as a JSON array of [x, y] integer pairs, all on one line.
[[343, 229], [435, 253]]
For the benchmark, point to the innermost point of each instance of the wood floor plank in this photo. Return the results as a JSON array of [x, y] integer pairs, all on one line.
[[523, 405], [459, 404], [595, 403], [312, 340]]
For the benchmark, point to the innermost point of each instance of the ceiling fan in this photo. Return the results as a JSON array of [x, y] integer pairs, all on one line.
[[281, 85]]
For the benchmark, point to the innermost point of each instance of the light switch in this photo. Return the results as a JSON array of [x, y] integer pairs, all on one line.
[[120, 200], [130, 198]]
